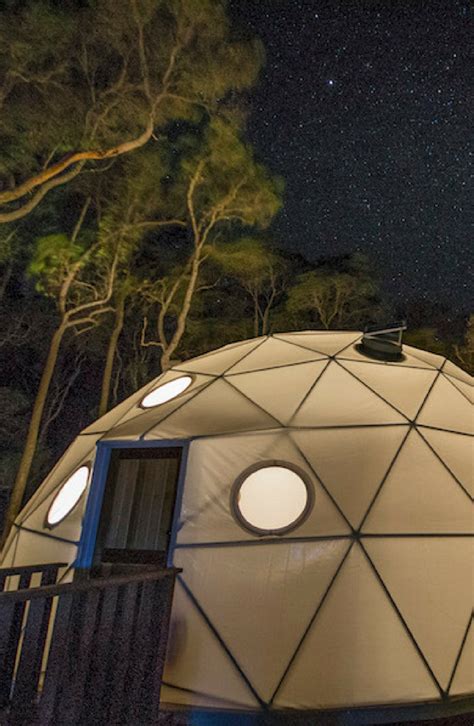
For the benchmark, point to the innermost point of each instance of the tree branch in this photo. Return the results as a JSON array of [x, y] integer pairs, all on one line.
[[163, 223], [56, 404], [190, 199], [76, 266], [148, 343], [28, 207], [141, 50], [52, 172]]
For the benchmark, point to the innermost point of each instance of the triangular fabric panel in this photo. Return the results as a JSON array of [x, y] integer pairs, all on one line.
[[217, 362], [380, 662], [217, 409], [456, 451], [279, 390], [273, 352], [196, 660], [452, 370], [404, 388], [146, 419], [351, 462], [447, 408], [325, 343], [8, 554], [431, 582], [424, 356], [37, 549], [324, 518], [81, 451], [282, 585], [466, 388], [463, 681], [338, 399], [419, 496], [213, 467]]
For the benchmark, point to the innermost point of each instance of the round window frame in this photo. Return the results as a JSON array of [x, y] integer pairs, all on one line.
[[47, 524], [259, 531], [192, 376]]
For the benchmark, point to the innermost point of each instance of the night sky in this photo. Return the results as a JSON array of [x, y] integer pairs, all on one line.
[[363, 108]]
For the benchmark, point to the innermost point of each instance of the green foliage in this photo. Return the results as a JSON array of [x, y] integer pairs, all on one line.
[[333, 299], [206, 333], [246, 259], [232, 178], [52, 260]]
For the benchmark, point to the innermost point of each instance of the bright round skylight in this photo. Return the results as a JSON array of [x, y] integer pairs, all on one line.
[[166, 392], [68, 496], [271, 498]]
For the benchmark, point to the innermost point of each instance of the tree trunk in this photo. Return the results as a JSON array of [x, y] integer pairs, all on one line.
[[184, 312], [110, 357], [255, 316], [265, 320], [29, 450]]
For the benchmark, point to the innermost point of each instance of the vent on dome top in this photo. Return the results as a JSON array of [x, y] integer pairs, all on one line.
[[383, 343]]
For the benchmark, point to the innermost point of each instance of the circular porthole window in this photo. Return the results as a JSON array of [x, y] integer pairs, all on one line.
[[68, 496], [272, 497], [166, 392]]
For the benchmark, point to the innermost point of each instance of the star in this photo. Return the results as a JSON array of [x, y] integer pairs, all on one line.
[[361, 112]]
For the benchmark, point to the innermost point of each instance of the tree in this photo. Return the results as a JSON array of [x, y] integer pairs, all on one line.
[[426, 338], [465, 352], [135, 205], [259, 271], [225, 187], [15, 407], [15, 325], [102, 80], [7, 257], [65, 375], [127, 288], [334, 299], [205, 183], [78, 273]]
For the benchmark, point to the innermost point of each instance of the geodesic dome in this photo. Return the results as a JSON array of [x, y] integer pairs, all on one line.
[[323, 523]]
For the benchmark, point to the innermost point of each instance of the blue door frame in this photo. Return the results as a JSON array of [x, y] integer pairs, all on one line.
[[90, 523]]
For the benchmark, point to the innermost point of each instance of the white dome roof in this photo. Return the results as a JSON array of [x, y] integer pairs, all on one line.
[[309, 379]]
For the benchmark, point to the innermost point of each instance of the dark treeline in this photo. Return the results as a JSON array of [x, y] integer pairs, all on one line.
[[135, 218]]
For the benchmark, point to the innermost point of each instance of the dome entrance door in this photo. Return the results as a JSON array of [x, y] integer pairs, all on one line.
[[137, 510]]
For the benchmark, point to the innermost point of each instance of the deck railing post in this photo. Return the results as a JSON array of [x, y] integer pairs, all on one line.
[[12, 618], [31, 655], [57, 660]]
